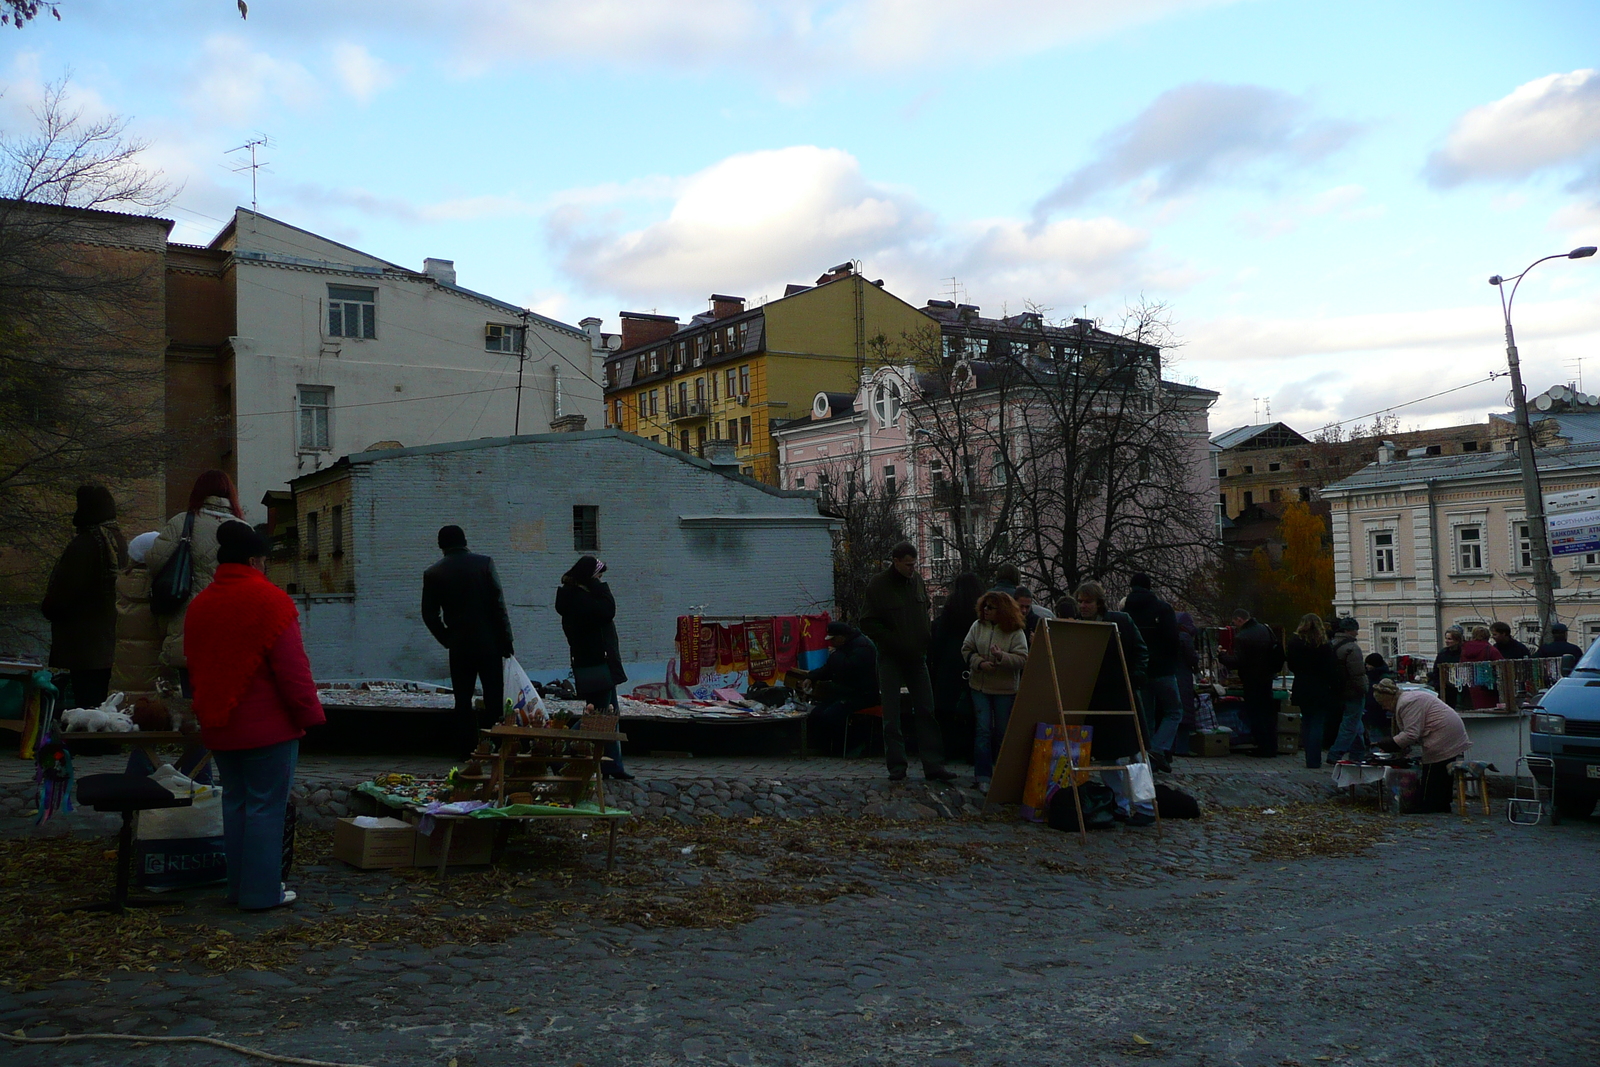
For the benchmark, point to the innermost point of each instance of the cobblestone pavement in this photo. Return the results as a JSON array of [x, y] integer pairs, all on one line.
[[1320, 934]]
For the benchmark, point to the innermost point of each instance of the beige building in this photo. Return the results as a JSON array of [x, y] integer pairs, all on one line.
[[1425, 542]]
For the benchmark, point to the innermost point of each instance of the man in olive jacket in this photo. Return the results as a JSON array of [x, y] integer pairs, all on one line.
[[897, 621]]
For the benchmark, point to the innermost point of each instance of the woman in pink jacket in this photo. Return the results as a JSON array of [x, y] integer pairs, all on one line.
[[1422, 719], [254, 697]]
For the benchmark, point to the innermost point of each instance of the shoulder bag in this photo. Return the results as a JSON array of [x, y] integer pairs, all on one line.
[[170, 591]]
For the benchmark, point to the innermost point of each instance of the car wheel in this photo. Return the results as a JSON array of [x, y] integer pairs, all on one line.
[[1569, 807]]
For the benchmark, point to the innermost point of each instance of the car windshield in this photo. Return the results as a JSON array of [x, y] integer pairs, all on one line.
[[1590, 660]]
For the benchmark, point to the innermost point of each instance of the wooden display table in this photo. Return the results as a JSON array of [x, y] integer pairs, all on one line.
[[143, 740]]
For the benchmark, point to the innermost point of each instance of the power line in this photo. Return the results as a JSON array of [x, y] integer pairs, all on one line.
[[1418, 400], [377, 403]]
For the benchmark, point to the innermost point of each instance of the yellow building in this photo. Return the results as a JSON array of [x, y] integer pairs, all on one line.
[[730, 373]]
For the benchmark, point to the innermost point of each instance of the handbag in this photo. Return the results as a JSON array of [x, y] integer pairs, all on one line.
[[1099, 804], [592, 679], [170, 591]]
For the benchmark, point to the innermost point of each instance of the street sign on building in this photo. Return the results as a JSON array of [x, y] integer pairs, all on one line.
[[1573, 520]]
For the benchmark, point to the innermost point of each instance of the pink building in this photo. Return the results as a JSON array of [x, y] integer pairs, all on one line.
[[1058, 449]]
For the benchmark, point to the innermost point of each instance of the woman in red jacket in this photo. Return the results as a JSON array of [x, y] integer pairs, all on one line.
[[254, 697]]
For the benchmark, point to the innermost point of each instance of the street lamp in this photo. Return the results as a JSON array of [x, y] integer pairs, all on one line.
[[1544, 586]]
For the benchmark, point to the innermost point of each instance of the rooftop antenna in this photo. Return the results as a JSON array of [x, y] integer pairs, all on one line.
[[1267, 403], [1256, 418], [254, 166], [958, 292], [1577, 361]]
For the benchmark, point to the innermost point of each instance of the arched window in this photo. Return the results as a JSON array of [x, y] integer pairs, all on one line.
[[886, 401]]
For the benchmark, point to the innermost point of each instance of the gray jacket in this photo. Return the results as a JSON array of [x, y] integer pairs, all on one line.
[[1352, 665]]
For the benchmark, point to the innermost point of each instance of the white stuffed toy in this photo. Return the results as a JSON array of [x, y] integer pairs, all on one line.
[[105, 719]]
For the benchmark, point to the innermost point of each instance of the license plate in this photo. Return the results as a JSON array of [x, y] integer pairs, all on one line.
[[1594, 770]]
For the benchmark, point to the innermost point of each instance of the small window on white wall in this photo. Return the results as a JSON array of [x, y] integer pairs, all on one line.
[[1523, 534], [1383, 552], [1469, 548], [315, 402]]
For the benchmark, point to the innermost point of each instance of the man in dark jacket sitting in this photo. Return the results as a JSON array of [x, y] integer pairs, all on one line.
[[852, 667], [465, 610]]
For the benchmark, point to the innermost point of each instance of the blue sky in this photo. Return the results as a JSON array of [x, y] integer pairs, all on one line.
[[1317, 191]]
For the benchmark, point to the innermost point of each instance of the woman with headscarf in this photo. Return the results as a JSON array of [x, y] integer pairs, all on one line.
[[1422, 719], [254, 697], [995, 650], [213, 501], [588, 618], [952, 697], [81, 600]]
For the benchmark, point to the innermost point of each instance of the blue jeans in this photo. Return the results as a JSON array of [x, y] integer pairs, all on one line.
[[255, 799], [1164, 712], [992, 712], [1352, 739]]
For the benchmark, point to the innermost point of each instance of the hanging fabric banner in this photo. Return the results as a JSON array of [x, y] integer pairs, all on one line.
[[813, 641], [708, 646], [785, 643], [689, 649], [758, 639]]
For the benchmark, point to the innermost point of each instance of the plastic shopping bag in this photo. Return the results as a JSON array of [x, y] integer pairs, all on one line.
[[522, 699], [179, 847], [1143, 782]]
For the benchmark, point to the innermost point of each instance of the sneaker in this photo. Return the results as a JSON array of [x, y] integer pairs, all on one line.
[[289, 897]]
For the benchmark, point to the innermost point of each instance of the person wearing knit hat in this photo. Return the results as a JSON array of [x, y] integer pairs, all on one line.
[[464, 608], [81, 600], [254, 698]]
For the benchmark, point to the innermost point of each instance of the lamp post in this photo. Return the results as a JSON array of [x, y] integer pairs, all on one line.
[[1544, 586]]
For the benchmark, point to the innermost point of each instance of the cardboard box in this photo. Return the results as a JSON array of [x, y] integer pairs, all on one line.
[[470, 845], [1288, 722], [391, 844], [1210, 744], [1288, 742]]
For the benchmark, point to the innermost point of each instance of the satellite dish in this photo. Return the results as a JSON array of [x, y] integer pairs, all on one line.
[[1544, 402], [1560, 392]]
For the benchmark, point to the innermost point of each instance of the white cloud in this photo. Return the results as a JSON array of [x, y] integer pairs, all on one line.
[[233, 83], [1318, 369], [364, 75], [1549, 122], [1197, 133], [756, 219], [1343, 203], [1069, 262]]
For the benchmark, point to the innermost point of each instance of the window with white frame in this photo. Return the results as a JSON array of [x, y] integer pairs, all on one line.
[[1383, 561], [886, 401], [1528, 632], [1591, 631], [936, 548], [315, 403], [1386, 636], [1522, 535], [999, 469], [890, 484], [352, 312], [498, 338], [1469, 548]]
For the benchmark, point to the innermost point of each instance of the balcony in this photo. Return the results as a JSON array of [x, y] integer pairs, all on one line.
[[692, 409]]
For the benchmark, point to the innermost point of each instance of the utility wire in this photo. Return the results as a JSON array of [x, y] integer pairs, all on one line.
[[377, 403], [1418, 400]]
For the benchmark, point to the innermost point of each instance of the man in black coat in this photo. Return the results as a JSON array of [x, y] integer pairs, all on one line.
[[1508, 647], [1158, 625], [898, 623], [589, 620], [464, 608], [852, 667], [1258, 657], [1560, 646]]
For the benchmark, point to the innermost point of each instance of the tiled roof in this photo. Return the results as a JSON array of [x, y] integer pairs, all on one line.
[[1465, 465]]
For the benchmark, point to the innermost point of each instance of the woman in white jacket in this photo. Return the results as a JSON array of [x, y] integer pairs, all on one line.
[[213, 501], [995, 651]]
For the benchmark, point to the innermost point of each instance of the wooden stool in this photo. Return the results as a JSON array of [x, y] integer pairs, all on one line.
[[1464, 769]]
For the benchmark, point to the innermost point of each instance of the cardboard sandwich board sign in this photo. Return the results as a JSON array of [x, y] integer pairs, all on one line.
[[1058, 686]]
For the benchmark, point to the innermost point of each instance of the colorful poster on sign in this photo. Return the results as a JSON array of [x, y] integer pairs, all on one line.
[[785, 643]]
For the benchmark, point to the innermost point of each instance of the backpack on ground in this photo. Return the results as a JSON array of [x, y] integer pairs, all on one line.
[[1099, 807], [1173, 804]]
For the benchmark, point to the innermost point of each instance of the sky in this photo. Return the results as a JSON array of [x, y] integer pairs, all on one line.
[[1316, 192]]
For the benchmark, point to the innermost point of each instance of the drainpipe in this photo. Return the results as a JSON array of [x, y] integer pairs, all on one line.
[[555, 376], [1433, 554]]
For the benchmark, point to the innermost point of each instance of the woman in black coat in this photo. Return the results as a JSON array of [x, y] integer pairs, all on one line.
[[952, 697], [81, 599], [1318, 683], [588, 619]]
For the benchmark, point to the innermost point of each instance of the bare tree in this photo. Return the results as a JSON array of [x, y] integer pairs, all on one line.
[[1066, 450], [870, 526], [81, 330]]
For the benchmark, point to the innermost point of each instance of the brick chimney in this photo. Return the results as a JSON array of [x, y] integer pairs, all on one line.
[[843, 270], [723, 307], [639, 328], [442, 271], [568, 424]]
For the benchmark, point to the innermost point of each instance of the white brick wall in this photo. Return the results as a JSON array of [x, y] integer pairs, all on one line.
[[515, 502]]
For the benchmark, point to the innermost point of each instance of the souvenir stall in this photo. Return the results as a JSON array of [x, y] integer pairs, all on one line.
[[533, 765], [1493, 699], [28, 697]]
